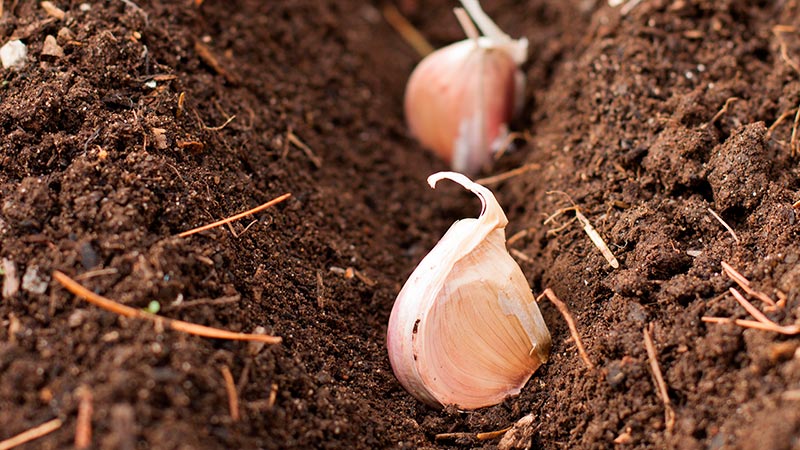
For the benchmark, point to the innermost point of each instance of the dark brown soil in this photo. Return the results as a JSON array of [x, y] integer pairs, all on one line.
[[100, 169]]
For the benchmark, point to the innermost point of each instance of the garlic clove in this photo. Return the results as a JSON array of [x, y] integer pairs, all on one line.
[[466, 329], [460, 98]]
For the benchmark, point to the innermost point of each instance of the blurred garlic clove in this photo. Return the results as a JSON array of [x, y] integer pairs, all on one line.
[[460, 98], [466, 329]]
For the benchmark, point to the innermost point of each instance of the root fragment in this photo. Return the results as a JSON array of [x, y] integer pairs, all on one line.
[[597, 240], [488, 181], [177, 325], [779, 121], [588, 228], [722, 111], [291, 137], [573, 330], [661, 385], [778, 31]]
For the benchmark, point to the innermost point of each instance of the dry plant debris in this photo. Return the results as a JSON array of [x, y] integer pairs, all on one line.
[[257, 209], [177, 325], [316, 160], [403, 27], [661, 385], [778, 31], [83, 426], [484, 436], [233, 396], [588, 228], [762, 322], [744, 283], [724, 224], [34, 433], [488, 181]]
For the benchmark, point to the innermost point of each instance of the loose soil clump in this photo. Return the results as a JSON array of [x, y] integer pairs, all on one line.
[[132, 122]]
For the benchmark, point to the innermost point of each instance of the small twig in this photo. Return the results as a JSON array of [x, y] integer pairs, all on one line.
[[363, 278], [485, 436], [661, 385], [594, 236], [273, 395], [744, 283], [291, 137], [488, 181], [96, 273], [573, 330], [790, 330], [794, 146], [266, 205], [520, 255], [208, 57], [320, 290], [762, 322], [758, 315], [83, 426], [233, 397], [724, 224], [33, 433], [203, 301], [177, 325], [403, 27]]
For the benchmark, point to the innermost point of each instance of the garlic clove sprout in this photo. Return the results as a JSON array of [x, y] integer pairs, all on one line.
[[460, 98], [466, 329]]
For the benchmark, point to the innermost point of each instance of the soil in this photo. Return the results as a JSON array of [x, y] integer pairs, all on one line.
[[129, 138]]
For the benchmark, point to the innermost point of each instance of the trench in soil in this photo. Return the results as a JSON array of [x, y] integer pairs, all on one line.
[[101, 169]]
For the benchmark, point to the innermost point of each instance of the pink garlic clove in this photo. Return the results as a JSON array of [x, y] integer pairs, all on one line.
[[460, 98]]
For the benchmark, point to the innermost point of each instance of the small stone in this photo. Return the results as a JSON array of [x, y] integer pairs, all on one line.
[[160, 138], [85, 7], [89, 257], [51, 47], [33, 282], [77, 318], [13, 54], [10, 279], [65, 35]]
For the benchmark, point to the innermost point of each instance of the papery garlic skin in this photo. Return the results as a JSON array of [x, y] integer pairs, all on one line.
[[465, 329], [460, 98]]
